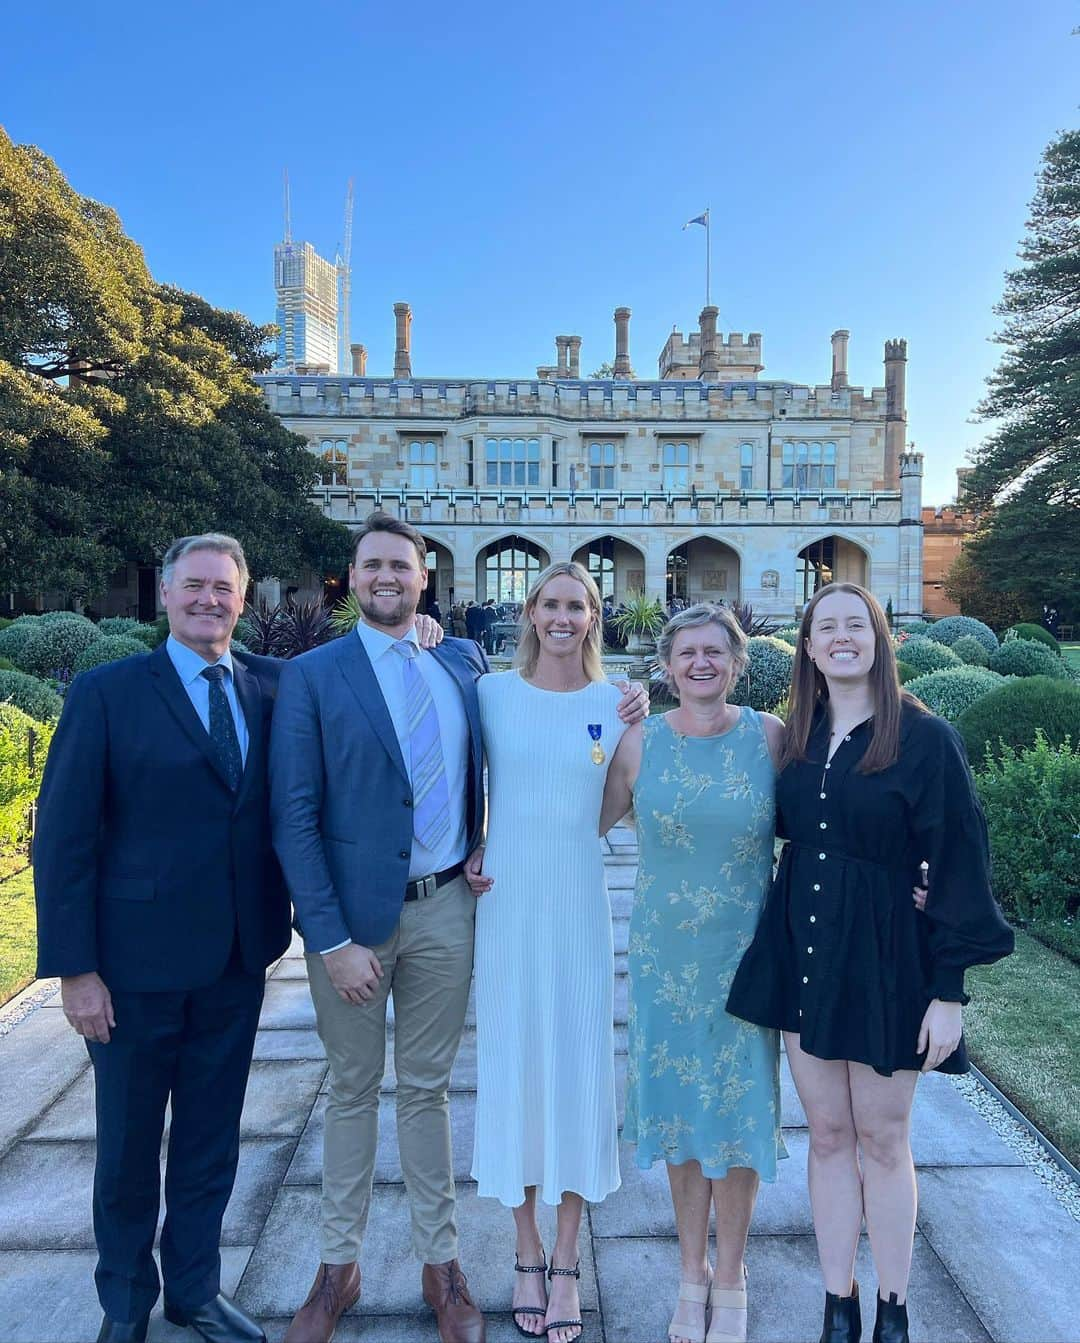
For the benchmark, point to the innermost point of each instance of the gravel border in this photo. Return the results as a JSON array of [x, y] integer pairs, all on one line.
[[26, 1001], [1022, 1137]]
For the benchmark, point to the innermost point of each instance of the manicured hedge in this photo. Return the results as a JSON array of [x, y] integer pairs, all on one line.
[[924, 655], [1033, 632], [951, 628], [971, 652], [32, 696], [953, 689], [1015, 712], [109, 648], [1025, 657], [767, 679]]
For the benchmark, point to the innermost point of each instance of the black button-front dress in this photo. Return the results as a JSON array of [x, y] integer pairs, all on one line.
[[842, 957]]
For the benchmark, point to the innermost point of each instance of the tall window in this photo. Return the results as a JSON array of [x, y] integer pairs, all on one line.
[[512, 461], [678, 572], [334, 455], [601, 466], [746, 466], [814, 568], [510, 566], [423, 465], [470, 464], [601, 564], [809, 466], [554, 463], [677, 468]]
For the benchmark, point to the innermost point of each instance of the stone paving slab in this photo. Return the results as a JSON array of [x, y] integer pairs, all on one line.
[[46, 1056], [284, 1261]]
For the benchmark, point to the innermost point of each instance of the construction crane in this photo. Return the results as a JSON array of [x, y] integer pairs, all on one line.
[[288, 208], [344, 271]]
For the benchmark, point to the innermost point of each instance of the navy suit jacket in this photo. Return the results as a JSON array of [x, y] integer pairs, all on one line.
[[340, 796], [146, 865]]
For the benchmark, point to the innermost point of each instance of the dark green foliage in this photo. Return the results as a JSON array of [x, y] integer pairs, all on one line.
[[916, 627], [1025, 657], [971, 652], [905, 671], [109, 648], [1015, 712], [32, 696], [953, 689], [1031, 798], [1038, 633], [767, 679], [54, 647], [925, 655], [951, 628], [24, 744]]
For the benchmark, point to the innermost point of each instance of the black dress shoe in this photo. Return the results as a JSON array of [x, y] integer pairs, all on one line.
[[219, 1321], [891, 1325], [123, 1331], [843, 1319]]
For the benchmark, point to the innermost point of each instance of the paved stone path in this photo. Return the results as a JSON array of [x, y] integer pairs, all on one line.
[[991, 1252]]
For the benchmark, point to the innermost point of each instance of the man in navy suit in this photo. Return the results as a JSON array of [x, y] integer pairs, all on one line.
[[160, 904]]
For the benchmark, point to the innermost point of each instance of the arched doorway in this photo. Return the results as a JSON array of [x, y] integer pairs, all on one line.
[[440, 565], [832, 559], [616, 566], [703, 570], [507, 568]]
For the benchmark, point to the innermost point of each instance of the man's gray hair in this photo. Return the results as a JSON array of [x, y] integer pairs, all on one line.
[[705, 613], [224, 545]]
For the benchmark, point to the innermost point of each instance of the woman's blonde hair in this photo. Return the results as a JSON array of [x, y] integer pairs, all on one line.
[[704, 613], [528, 648]]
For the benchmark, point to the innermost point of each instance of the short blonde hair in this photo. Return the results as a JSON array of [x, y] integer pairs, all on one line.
[[528, 648], [704, 613]]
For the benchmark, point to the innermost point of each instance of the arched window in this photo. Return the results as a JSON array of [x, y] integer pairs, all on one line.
[[746, 466], [600, 563], [814, 568], [511, 566], [423, 459], [678, 573], [334, 461]]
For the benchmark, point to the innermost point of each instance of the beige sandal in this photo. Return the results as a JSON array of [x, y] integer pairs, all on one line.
[[693, 1294], [727, 1298]]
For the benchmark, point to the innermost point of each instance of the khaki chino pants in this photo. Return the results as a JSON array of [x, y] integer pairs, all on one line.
[[427, 966]]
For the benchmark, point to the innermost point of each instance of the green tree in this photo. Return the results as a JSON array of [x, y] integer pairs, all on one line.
[[1026, 480], [967, 586], [128, 414]]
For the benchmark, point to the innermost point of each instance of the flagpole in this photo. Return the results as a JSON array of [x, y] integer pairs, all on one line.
[[708, 257]]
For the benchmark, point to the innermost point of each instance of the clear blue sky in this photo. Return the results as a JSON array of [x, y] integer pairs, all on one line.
[[518, 174]]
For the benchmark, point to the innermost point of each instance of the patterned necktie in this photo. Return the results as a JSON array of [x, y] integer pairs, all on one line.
[[431, 797], [222, 728]]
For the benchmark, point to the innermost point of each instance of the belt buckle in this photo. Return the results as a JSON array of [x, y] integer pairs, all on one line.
[[425, 887]]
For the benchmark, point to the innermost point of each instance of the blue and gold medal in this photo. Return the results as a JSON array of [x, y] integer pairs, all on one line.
[[598, 756]]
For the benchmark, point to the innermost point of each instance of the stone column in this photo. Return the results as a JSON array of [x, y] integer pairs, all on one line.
[[359, 360], [895, 409], [403, 342], [909, 603], [562, 345], [621, 366], [709, 358], [575, 356], [839, 359]]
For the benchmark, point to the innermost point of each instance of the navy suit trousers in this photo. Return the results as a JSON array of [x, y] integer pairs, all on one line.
[[192, 1048]]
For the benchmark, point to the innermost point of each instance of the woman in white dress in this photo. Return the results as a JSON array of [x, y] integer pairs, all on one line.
[[544, 962]]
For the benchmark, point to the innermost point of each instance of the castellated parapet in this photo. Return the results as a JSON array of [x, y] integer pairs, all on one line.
[[737, 359]]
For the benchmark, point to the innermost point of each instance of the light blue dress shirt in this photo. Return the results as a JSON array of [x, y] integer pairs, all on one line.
[[189, 667]]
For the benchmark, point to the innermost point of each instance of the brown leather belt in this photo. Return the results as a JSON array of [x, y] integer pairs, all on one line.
[[422, 887]]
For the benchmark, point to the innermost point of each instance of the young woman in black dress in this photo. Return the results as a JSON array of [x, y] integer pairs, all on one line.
[[867, 990]]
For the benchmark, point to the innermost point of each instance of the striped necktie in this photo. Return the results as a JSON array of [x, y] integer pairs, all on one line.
[[431, 797], [223, 736]]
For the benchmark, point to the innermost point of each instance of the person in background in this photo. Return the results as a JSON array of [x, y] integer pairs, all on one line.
[[475, 623]]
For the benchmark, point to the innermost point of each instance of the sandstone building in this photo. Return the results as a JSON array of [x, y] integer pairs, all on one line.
[[705, 482]]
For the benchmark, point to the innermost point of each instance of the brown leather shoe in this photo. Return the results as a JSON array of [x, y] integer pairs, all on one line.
[[447, 1293], [335, 1289]]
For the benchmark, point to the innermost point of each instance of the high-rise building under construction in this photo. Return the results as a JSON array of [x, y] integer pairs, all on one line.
[[307, 308]]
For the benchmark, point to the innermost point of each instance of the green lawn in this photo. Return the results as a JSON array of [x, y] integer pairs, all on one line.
[[1071, 653], [1023, 1031], [18, 941]]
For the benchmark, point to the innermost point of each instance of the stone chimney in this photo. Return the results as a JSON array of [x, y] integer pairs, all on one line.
[[562, 345], [621, 367], [709, 359], [895, 409], [403, 344], [839, 359], [359, 360], [575, 356]]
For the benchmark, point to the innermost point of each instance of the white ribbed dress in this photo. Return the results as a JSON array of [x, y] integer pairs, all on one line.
[[545, 1094]]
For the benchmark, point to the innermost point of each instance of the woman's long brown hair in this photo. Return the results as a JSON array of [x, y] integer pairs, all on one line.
[[809, 688]]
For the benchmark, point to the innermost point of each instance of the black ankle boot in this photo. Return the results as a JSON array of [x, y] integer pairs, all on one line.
[[843, 1320], [891, 1325]]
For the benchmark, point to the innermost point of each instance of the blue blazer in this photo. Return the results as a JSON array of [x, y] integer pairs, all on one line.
[[147, 866], [340, 797]]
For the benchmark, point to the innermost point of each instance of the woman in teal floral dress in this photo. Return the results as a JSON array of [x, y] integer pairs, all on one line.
[[703, 1088]]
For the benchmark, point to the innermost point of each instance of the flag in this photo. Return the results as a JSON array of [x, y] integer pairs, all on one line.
[[703, 220]]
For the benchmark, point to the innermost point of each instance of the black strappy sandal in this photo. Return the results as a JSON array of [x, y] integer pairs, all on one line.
[[574, 1272], [527, 1310]]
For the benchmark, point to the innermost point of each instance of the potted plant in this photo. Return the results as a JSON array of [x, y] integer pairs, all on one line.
[[639, 621]]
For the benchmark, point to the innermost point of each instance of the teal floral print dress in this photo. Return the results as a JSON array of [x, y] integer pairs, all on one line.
[[701, 1085]]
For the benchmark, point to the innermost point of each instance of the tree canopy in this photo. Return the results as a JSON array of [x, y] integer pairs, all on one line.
[[128, 414], [1026, 481]]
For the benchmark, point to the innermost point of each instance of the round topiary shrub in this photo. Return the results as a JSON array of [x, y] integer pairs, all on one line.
[[1014, 712], [13, 639], [130, 628], [951, 628], [1036, 633], [971, 652], [905, 672], [950, 691], [30, 695], [1025, 657], [916, 627], [924, 655], [109, 648], [53, 647], [767, 679], [789, 634]]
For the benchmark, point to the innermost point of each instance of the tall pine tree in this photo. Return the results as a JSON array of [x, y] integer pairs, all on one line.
[[1026, 482]]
